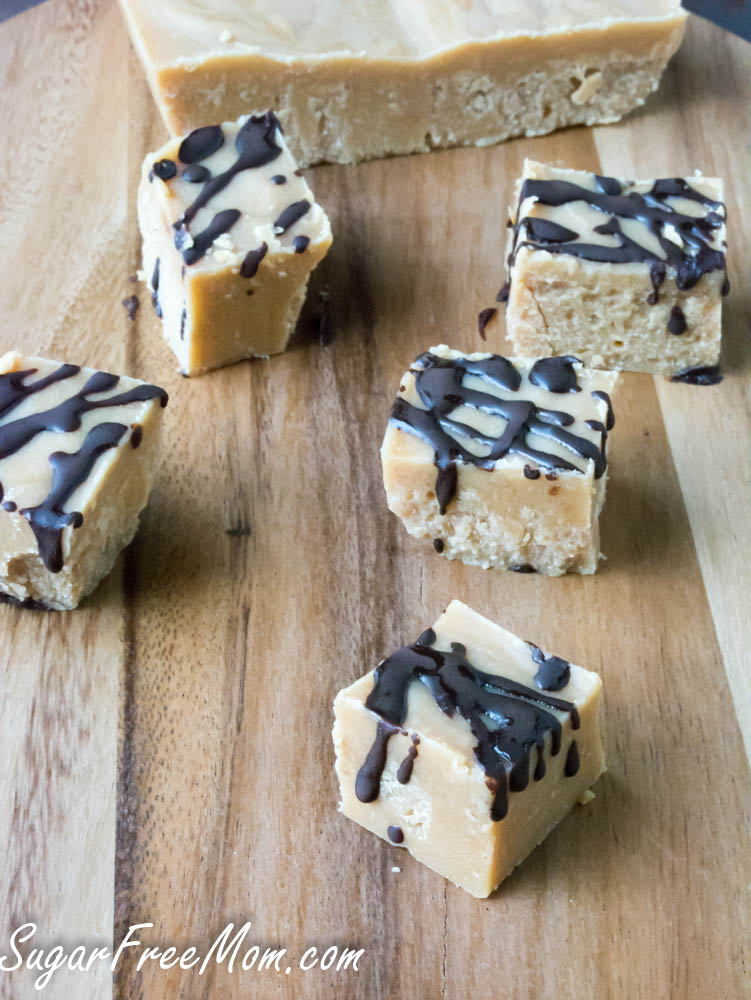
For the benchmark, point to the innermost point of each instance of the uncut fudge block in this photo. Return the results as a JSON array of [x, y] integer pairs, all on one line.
[[420, 763], [353, 81], [231, 233], [501, 461], [626, 275], [78, 452]]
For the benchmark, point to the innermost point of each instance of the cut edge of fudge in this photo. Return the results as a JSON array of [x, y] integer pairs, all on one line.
[[413, 771], [631, 309], [231, 234], [72, 498], [485, 83], [526, 510]]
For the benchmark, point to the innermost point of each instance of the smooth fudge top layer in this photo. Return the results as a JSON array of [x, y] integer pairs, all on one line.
[[182, 31], [546, 416], [232, 193], [672, 224], [501, 700], [60, 427]]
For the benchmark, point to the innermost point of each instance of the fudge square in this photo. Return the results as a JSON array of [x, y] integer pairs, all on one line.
[[502, 462], [467, 747], [78, 452], [626, 275], [231, 233]]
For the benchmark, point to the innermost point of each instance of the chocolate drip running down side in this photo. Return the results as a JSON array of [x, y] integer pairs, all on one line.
[[70, 470], [506, 718], [440, 385], [692, 258]]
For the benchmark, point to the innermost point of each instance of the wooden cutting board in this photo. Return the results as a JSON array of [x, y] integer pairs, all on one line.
[[166, 749]]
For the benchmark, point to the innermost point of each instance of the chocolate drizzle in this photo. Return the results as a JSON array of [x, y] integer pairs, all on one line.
[[395, 834], [439, 545], [700, 375], [291, 214], [506, 718], [163, 169], [677, 321], [504, 293], [404, 772], [196, 173], [252, 260], [692, 257], [155, 289], [483, 318], [70, 470], [300, 243], [555, 374], [439, 383], [553, 673], [256, 146], [221, 223], [200, 143]]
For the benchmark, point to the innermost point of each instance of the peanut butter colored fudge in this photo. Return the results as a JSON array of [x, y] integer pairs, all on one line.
[[502, 462], [78, 452], [467, 747], [231, 233], [353, 81], [626, 275]]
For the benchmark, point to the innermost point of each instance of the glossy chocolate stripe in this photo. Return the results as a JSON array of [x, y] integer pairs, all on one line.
[[506, 718]]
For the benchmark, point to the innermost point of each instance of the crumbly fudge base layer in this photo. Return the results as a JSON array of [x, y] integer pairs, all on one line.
[[559, 304], [491, 541], [535, 540], [110, 523], [499, 519], [345, 110]]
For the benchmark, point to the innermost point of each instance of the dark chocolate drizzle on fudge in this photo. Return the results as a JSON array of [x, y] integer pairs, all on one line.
[[691, 259], [155, 289], [506, 718], [677, 321], [252, 260], [70, 470], [555, 374], [300, 243], [196, 173], [395, 834], [404, 771], [291, 214], [221, 223], [165, 170], [256, 146], [439, 383], [200, 143], [553, 673]]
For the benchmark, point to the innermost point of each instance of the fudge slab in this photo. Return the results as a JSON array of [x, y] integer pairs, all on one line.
[[421, 762], [624, 274], [351, 81], [501, 461], [78, 453], [231, 232]]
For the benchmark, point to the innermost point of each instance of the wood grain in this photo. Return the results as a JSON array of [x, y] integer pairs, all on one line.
[[216, 656]]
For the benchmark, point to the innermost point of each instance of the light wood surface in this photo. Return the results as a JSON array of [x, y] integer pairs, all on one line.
[[166, 748]]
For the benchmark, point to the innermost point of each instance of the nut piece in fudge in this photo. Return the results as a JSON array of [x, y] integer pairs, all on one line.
[[78, 453], [467, 747], [501, 462], [624, 274], [231, 233], [355, 80]]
